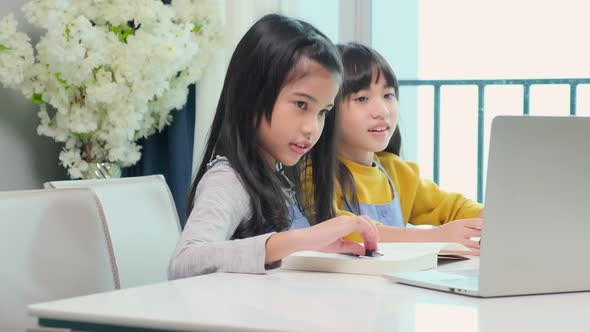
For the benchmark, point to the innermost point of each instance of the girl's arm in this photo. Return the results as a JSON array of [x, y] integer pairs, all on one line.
[[459, 231], [326, 236], [221, 204], [205, 246]]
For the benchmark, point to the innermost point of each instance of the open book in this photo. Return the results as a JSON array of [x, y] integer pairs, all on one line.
[[397, 257]]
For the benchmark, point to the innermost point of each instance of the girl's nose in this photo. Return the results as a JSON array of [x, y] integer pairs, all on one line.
[[309, 126], [379, 110]]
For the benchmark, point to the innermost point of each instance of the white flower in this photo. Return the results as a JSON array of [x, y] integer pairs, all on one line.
[[44, 13], [108, 72], [16, 54]]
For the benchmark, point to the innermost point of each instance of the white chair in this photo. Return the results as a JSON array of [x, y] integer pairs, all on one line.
[[143, 223], [55, 245]]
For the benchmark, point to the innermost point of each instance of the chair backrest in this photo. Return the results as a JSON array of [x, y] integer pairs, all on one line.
[[55, 245], [143, 223]]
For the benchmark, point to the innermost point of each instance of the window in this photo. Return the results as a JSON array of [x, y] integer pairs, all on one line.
[[466, 39]]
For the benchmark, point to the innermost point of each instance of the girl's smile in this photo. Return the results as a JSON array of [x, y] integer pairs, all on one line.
[[300, 148], [382, 129]]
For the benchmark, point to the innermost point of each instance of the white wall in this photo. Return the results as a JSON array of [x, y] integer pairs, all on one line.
[[26, 159]]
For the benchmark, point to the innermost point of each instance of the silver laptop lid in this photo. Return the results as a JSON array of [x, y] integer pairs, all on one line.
[[536, 235]]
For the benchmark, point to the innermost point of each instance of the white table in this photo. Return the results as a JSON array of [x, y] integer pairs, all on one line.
[[302, 301]]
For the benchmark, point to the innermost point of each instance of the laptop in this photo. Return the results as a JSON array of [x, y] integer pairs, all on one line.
[[536, 233]]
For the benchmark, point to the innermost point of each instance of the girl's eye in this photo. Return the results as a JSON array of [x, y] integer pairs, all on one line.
[[361, 99], [301, 105], [390, 96]]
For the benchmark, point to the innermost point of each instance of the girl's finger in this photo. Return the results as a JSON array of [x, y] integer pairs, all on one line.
[[470, 232], [374, 226], [368, 231], [352, 247], [471, 244]]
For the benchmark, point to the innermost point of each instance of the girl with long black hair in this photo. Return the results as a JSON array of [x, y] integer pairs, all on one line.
[[246, 208]]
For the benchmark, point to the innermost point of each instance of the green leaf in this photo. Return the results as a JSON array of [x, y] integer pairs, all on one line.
[[59, 79], [82, 136], [115, 30], [4, 48], [68, 34], [95, 70], [197, 28], [126, 32], [37, 98], [122, 33]]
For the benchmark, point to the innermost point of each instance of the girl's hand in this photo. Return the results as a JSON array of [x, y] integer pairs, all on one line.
[[327, 236], [461, 231]]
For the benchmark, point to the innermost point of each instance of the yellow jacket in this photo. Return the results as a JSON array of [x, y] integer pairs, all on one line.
[[422, 201]]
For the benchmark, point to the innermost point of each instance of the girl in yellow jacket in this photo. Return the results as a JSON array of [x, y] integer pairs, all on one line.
[[372, 180]]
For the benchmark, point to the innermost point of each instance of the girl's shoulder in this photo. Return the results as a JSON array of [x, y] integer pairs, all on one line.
[[220, 170], [393, 162], [222, 181], [219, 161]]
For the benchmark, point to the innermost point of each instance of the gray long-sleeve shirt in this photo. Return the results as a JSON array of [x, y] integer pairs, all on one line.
[[221, 204]]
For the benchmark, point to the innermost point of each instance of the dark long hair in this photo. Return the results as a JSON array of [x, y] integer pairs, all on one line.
[[267, 58], [359, 62]]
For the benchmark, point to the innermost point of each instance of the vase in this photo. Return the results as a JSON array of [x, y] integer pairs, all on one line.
[[102, 170]]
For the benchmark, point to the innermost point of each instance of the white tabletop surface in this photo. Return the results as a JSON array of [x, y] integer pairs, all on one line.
[[306, 301]]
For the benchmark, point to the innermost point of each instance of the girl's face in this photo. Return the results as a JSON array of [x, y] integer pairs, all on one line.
[[367, 121], [298, 116]]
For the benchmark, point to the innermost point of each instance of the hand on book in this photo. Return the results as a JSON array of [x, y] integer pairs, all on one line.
[[461, 231], [327, 236]]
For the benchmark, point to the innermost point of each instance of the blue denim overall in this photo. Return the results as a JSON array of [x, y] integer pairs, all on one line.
[[298, 220], [389, 214]]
